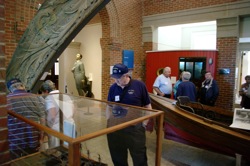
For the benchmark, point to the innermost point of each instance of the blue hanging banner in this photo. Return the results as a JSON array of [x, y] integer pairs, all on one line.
[[128, 58]]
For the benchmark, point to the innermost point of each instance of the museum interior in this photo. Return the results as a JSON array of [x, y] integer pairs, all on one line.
[[46, 39]]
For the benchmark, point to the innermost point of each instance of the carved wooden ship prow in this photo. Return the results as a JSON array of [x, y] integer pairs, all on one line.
[[54, 26]]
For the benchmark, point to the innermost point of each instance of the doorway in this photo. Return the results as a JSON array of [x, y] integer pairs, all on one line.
[[244, 69], [196, 66]]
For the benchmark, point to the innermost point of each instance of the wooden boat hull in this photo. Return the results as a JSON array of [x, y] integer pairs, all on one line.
[[194, 130], [214, 113]]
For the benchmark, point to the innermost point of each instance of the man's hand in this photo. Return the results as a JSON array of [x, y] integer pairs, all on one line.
[[149, 125]]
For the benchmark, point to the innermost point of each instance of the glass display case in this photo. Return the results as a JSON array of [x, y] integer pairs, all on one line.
[[83, 125]]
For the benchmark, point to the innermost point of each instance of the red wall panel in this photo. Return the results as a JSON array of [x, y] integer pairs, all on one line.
[[161, 59]]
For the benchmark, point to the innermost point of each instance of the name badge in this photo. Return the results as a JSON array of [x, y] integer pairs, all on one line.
[[117, 98]]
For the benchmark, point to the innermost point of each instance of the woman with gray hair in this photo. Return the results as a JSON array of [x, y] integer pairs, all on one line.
[[187, 88], [48, 86]]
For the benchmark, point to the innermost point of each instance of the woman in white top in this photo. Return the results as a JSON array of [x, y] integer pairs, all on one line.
[[52, 109]]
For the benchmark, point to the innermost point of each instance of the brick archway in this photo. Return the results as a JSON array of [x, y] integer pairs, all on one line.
[[111, 43]]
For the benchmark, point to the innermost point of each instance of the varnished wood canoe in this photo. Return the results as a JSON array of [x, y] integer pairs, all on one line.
[[192, 129], [210, 112]]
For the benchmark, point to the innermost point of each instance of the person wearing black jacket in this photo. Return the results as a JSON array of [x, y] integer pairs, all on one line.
[[209, 91]]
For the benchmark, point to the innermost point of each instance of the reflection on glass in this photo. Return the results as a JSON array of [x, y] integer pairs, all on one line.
[[83, 119], [189, 67], [197, 70], [182, 66], [195, 66]]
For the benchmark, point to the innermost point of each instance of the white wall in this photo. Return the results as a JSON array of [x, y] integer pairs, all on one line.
[[169, 38], [90, 48], [87, 42], [244, 27], [66, 61], [187, 36]]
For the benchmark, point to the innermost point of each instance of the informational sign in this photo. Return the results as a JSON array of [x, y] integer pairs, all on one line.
[[241, 119], [128, 58], [224, 71]]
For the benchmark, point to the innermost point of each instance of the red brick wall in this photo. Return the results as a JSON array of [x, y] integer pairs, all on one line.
[[4, 146], [121, 24], [10, 22], [18, 14], [226, 59], [14, 18], [163, 6]]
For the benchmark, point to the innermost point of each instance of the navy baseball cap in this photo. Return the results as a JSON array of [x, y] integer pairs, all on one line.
[[13, 81], [118, 70]]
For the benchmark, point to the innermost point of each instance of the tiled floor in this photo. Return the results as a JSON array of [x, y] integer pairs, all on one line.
[[176, 154], [173, 154]]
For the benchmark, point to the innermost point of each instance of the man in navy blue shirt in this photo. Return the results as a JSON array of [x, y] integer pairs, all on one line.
[[133, 92]]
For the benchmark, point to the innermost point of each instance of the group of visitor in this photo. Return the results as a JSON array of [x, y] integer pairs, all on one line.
[[24, 138], [207, 93], [124, 90]]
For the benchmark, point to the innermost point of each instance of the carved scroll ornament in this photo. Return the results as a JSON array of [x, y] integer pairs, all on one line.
[[52, 29]]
